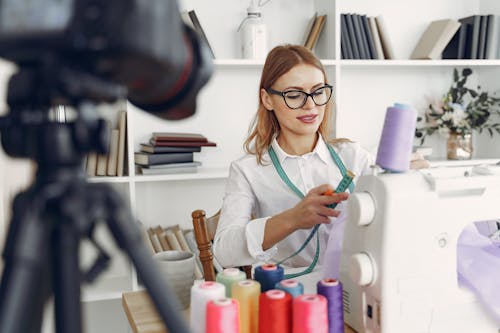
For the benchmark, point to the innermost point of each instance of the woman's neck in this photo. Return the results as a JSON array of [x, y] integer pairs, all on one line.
[[298, 145]]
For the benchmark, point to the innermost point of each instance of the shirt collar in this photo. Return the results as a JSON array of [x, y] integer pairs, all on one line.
[[321, 150]]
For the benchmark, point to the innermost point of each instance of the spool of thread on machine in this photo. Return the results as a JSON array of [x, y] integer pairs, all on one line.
[[331, 289], [222, 316], [228, 276], [396, 141], [293, 287], [268, 275], [309, 314], [275, 312], [201, 294], [247, 294]]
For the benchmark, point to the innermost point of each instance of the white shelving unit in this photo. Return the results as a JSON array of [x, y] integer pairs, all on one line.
[[363, 89]]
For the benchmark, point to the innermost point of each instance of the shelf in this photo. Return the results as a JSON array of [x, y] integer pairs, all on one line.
[[422, 63], [253, 63], [203, 173], [105, 179], [458, 163]]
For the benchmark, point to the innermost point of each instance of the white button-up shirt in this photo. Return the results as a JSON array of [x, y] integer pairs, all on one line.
[[257, 190]]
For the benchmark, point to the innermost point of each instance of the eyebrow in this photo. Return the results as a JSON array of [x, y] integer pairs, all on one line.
[[317, 85]]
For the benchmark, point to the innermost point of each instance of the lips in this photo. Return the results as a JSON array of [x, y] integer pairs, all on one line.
[[310, 118]]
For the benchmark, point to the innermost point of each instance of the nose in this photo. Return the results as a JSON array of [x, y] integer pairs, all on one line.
[[309, 104]]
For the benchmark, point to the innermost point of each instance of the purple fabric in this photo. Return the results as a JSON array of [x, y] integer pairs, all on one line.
[[478, 268], [396, 141]]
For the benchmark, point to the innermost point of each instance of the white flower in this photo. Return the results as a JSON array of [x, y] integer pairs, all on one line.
[[458, 115]]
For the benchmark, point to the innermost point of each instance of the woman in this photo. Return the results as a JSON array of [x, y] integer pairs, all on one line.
[[262, 218]]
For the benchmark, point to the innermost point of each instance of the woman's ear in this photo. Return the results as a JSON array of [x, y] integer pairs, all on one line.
[[266, 100]]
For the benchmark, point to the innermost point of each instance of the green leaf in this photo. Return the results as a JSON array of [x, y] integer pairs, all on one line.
[[466, 71], [455, 75]]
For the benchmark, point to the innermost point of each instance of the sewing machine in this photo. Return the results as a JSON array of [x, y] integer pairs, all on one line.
[[398, 265]]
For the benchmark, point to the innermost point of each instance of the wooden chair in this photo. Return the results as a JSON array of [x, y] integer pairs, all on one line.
[[204, 231]]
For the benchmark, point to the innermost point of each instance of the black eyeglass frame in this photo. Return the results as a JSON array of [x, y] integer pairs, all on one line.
[[311, 94]]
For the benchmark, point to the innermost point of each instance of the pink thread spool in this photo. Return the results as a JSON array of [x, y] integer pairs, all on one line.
[[222, 316], [201, 294], [310, 314]]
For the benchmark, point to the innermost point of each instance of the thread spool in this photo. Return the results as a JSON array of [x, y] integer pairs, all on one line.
[[268, 275], [275, 312], [247, 294], [396, 141], [309, 314], [293, 287], [228, 276], [332, 290], [222, 316], [201, 294]]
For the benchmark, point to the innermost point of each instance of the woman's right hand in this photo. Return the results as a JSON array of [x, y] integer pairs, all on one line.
[[313, 209]]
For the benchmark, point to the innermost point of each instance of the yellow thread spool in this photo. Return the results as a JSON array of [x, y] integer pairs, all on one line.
[[247, 293]]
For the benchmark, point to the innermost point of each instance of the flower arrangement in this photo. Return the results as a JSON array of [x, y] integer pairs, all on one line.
[[460, 111]]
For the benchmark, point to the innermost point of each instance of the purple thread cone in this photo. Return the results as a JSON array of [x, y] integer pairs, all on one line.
[[332, 290], [396, 141]]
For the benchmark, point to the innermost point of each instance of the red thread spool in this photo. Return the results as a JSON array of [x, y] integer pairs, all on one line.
[[275, 312], [223, 316], [310, 314]]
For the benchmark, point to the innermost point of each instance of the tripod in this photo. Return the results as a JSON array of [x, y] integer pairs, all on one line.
[[60, 208]]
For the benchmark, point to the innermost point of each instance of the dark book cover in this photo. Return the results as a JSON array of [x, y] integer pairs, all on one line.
[[451, 50], [182, 143], [352, 37], [199, 29], [142, 158], [149, 148], [481, 49], [473, 26], [359, 33], [174, 136], [368, 36], [345, 41]]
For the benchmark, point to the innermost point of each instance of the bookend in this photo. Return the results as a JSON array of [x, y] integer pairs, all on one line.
[[60, 209]]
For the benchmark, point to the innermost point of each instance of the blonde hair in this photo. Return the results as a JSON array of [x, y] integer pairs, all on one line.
[[265, 125]]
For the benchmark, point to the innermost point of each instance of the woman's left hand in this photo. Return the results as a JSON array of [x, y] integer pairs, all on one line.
[[418, 161]]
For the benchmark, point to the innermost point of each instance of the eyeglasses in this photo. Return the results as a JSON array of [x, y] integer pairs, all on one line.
[[295, 99]]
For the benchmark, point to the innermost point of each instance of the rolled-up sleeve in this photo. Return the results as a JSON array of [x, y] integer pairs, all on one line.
[[238, 239]]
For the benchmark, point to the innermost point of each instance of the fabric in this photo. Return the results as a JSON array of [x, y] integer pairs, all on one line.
[[257, 190], [478, 267]]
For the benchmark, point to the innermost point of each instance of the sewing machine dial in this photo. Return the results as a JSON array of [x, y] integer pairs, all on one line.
[[361, 208], [362, 270]]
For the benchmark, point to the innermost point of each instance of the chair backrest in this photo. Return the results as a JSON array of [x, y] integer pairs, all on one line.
[[204, 232]]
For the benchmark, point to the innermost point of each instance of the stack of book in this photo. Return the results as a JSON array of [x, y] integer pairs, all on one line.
[[363, 37], [173, 238], [314, 31], [170, 153], [114, 163], [477, 38]]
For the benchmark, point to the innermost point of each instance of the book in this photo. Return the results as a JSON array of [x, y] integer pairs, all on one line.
[[198, 28], [170, 171], [174, 136], [160, 233], [113, 153], [345, 42], [368, 36], [310, 26], [481, 47], [91, 164], [164, 158], [434, 39], [182, 143], [122, 141], [102, 165], [154, 240], [384, 37], [149, 148], [363, 48], [492, 37], [352, 36], [172, 165], [472, 27], [376, 38], [316, 30]]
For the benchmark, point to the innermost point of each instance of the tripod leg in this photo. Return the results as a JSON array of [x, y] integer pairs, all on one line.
[[24, 287], [67, 278], [128, 237]]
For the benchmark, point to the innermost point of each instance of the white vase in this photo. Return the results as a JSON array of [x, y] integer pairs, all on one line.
[[177, 268]]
